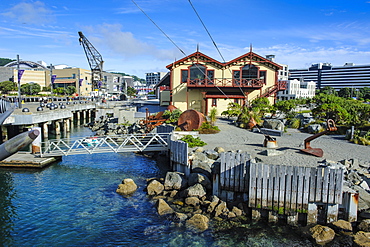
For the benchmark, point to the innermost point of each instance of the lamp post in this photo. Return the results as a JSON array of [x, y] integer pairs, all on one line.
[[20, 73]]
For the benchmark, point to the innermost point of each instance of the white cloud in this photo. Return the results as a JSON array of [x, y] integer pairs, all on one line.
[[30, 13], [125, 44]]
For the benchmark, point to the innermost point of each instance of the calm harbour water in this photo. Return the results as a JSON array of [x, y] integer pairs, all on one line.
[[74, 203]]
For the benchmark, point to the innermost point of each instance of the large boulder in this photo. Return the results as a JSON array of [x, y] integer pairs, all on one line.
[[362, 239], [219, 150], [274, 124], [197, 223], [211, 154], [174, 181], [314, 128], [221, 208], [322, 234], [342, 226], [196, 190], [127, 187], [199, 178], [364, 225], [213, 204], [192, 201], [204, 167], [154, 188], [163, 208]]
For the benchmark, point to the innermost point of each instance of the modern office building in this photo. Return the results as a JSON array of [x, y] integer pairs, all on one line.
[[324, 74]]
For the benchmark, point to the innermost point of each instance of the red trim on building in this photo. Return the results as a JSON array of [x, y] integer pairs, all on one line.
[[224, 97], [243, 58]]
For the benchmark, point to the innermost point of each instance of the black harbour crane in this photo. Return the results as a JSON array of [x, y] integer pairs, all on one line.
[[95, 60]]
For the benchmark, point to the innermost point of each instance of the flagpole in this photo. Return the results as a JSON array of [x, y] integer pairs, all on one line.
[[19, 86]]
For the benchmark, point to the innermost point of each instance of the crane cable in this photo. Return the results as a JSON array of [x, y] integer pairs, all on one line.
[[213, 41], [176, 45]]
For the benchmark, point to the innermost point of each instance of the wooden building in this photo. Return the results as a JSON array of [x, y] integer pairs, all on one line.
[[200, 82]]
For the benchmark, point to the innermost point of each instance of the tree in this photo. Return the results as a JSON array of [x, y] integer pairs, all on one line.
[[59, 90], [131, 91], [261, 105], [345, 92], [233, 110], [7, 86], [328, 90], [4, 61], [30, 88], [70, 90], [286, 106]]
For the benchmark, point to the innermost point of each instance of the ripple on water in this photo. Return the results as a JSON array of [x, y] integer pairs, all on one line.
[[74, 203]]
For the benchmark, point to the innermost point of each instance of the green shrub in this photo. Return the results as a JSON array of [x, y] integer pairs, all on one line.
[[295, 123], [172, 117], [208, 128], [193, 141]]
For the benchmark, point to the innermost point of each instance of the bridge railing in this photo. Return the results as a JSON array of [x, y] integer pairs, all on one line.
[[116, 144]]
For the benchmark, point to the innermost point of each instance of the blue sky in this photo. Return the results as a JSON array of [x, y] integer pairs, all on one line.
[[299, 33]]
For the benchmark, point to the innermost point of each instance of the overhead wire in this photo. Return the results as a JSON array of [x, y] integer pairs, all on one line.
[[213, 41], [173, 42]]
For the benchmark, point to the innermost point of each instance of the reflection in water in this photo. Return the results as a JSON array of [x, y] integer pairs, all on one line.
[[7, 212]]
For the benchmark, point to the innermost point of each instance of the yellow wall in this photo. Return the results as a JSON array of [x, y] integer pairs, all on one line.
[[30, 75], [76, 74], [195, 98]]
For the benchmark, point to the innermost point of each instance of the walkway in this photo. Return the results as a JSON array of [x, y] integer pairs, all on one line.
[[335, 147], [116, 144]]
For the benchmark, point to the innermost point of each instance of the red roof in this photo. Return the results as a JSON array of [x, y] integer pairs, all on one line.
[[249, 55]]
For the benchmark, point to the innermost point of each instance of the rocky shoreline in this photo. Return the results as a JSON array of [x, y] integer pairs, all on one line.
[[188, 202]]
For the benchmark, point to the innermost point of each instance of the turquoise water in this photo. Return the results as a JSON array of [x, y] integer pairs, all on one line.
[[74, 203]]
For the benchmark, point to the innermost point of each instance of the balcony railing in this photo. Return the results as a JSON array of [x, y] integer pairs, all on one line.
[[226, 82]]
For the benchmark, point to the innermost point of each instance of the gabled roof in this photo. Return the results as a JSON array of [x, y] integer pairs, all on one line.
[[197, 55], [246, 57]]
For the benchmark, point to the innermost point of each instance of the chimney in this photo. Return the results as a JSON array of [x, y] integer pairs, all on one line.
[[271, 58]]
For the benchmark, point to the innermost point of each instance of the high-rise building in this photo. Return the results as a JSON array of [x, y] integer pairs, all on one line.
[[154, 77], [324, 74]]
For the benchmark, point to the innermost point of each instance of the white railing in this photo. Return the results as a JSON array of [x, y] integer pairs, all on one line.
[[106, 144]]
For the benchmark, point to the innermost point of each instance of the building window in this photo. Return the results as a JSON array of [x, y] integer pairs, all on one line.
[[73, 76], [197, 71], [236, 101], [249, 71], [210, 74], [184, 75], [263, 75], [214, 102]]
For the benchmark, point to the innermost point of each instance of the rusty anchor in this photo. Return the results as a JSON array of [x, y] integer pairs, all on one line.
[[318, 151]]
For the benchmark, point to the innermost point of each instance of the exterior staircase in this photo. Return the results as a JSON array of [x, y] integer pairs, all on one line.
[[280, 86]]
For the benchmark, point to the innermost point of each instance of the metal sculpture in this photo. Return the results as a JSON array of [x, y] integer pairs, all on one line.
[[190, 120], [330, 126]]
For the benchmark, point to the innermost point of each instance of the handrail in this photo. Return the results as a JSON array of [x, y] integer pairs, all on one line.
[[226, 82], [116, 144]]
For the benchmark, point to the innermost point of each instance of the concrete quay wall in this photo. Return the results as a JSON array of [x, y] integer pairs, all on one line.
[[55, 121]]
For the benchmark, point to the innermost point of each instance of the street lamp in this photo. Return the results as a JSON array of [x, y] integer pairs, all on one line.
[[20, 73]]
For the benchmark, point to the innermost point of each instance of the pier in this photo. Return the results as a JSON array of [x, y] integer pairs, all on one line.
[[58, 120]]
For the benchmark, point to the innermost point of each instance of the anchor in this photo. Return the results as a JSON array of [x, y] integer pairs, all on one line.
[[318, 151]]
